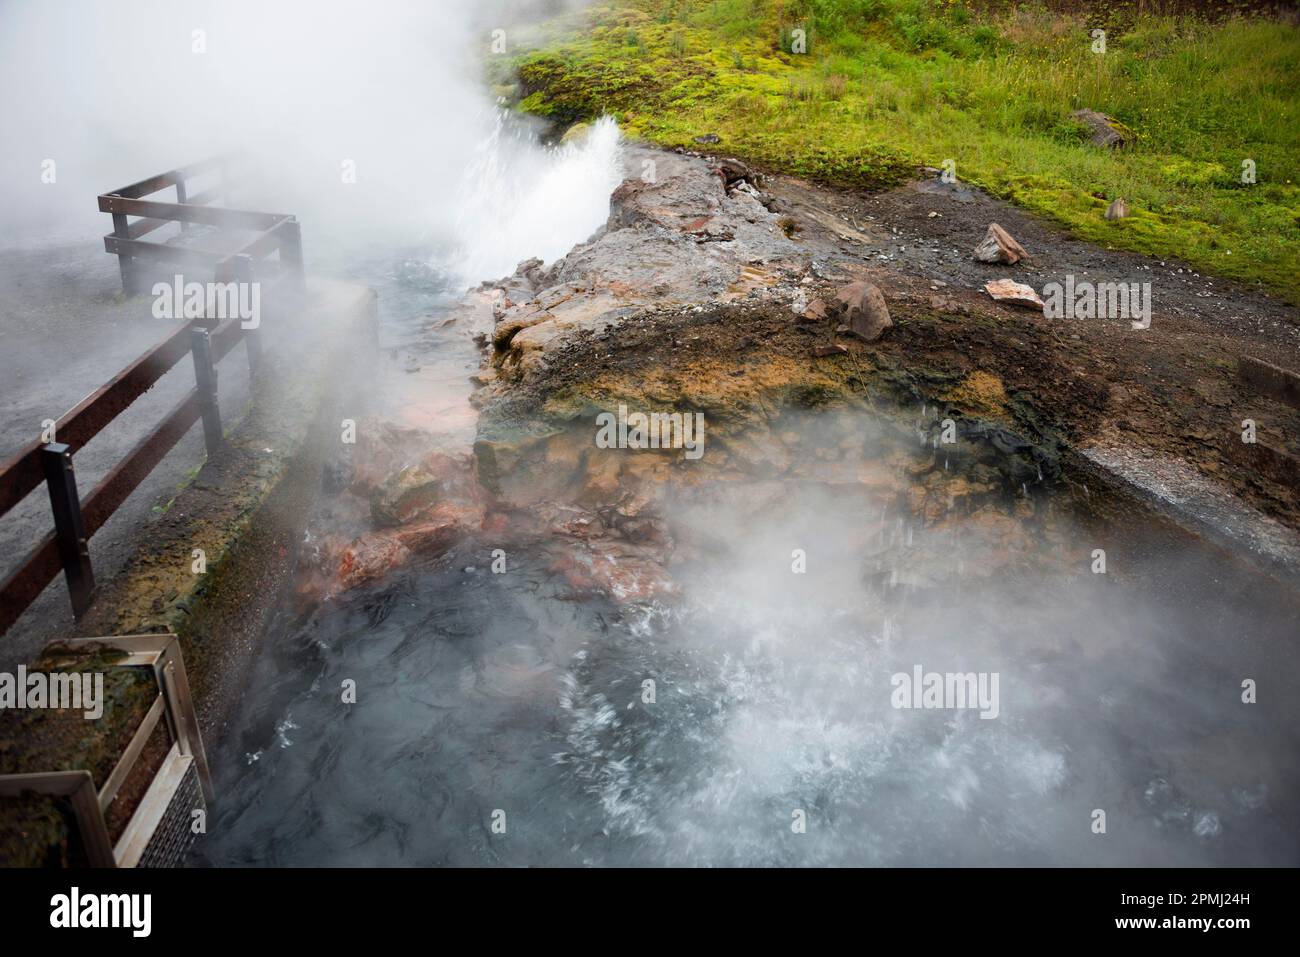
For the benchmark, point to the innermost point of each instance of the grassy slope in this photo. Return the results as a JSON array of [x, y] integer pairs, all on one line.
[[887, 85]]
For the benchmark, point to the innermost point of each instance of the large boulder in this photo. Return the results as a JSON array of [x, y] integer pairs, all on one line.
[[861, 307], [998, 246]]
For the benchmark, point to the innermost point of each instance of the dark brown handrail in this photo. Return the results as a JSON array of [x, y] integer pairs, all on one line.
[[29, 579], [77, 519], [275, 232]]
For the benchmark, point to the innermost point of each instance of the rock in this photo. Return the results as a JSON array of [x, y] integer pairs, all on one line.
[[734, 172], [1106, 132], [371, 556], [635, 521], [863, 310], [438, 530], [816, 312], [415, 489], [602, 469], [382, 449], [1015, 293], [533, 270], [713, 234], [709, 138], [621, 571], [567, 520], [998, 246], [830, 349], [1117, 210], [403, 495]]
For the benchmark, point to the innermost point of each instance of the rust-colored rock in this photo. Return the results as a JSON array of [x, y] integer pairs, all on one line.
[[368, 557], [441, 526], [618, 571]]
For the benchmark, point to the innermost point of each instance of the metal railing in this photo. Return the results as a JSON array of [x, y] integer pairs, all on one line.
[[162, 653]]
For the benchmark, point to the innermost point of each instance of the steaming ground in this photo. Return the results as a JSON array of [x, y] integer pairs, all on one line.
[[479, 692]]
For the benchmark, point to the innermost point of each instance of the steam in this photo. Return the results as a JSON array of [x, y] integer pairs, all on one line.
[[774, 692], [107, 94], [519, 202]]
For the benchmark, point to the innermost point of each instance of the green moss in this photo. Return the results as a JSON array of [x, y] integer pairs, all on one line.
[[890, 85], [34, 829]]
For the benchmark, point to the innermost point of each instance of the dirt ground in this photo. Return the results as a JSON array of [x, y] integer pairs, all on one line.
[[1172, 387]]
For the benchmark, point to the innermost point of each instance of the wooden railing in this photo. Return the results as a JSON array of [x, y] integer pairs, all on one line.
[[239, 248], [77, 519]]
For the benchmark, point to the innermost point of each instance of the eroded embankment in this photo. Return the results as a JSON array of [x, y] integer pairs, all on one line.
[[713, 290]]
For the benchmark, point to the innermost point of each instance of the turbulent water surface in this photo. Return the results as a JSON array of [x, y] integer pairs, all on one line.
[[489, 699]]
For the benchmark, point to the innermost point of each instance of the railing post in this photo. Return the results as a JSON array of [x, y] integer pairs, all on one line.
[[125, 263], [239, 269], [205, 376], [181, 198], [253, 336], [291, 250], [69, 530]]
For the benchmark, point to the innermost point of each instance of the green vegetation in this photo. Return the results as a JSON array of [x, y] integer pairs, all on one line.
[[886, 86]]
